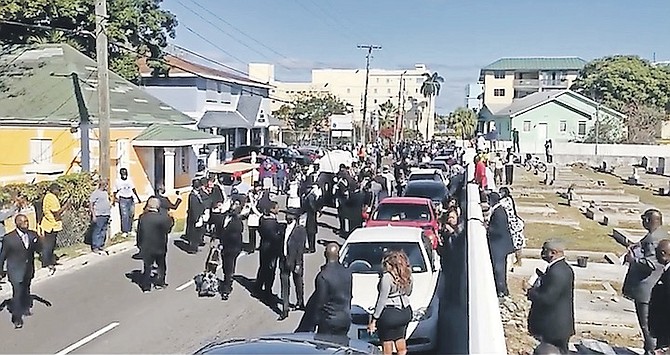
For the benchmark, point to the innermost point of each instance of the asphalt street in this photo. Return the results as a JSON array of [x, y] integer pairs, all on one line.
[[97, 309]]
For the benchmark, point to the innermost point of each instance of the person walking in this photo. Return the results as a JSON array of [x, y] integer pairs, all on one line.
[[392, 311], [51, 224], [313, 205], [270, 250], [552, 313], [253, 220], [153, 228], [291, 262], [19, 248], [659, 308], [231, 239], [333, 286], [644, 271], [500, 243], [509, 167], [101, 210], [125, 194]]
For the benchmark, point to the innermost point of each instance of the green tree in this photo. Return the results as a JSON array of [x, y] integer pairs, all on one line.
[[632, 86], [430, 88], [141, 25], [464, 122], [387, 115], [308, 113]]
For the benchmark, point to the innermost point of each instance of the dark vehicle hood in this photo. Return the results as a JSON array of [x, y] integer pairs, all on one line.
[[295, 343]]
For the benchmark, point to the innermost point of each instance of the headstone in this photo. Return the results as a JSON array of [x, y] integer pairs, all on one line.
[[645, 163], [635, 178], [663, 166]]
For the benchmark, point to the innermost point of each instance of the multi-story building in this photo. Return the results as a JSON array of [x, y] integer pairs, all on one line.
[[508, 79], [473, 96], [398, 86], [222, 103]]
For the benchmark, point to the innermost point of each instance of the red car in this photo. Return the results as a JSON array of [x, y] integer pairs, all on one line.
[[407, 212]]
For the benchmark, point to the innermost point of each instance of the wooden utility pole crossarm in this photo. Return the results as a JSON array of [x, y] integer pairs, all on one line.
[[369, 48], [101, 45]]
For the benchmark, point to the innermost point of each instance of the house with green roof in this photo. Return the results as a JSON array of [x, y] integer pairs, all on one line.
[[556, 115], [508, 79], [41, 115]]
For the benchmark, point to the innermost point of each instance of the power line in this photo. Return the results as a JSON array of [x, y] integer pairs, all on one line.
[[335, 27], [210, 60], [237, 29], [212, 43]]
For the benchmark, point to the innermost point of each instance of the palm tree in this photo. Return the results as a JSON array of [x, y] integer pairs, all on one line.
[[463, 121], [429, 89], [387, 114]]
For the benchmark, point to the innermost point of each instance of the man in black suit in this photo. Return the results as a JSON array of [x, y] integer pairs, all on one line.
[[333, 295], [230, 235], [659, 308], [312, 209], [291, 262], [153, 228], [271, 243], [195, 223], [500, 243], [552, 314], [18, 249]]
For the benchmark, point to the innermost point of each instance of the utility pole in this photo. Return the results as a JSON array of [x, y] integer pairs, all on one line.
[[369, 48], [84, 125], [101, 46], [402, 115]]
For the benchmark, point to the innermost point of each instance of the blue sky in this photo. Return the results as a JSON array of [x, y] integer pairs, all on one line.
[[454, 38]]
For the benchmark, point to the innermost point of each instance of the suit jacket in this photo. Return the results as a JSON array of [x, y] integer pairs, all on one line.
[[296, 247], [270, 231], [196, 207], [333, 295], [659, 307], [552, 313], [499, 236], [231, 234], [20, 260], [645, 271], [152, 232]]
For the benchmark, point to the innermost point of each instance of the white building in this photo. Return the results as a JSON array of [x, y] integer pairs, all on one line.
[[349, 85], [474, 97]]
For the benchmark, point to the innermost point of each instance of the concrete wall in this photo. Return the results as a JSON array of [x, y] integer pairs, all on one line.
[[613, 154]]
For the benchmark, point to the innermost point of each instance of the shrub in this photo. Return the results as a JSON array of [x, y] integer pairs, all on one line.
[[76, 188]]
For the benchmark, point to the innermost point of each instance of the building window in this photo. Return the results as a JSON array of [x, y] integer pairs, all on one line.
[[499, 74], [526, 126], [377, 80], [582, 128], [498, 92], [388, 91], [375, 91], [388, 81], [41, 151], [417, 90], [563, 126], [419, 80], [348, 91], [375, 101]]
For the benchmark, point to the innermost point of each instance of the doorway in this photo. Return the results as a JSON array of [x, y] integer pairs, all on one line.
[[540, 137], [159, 167]]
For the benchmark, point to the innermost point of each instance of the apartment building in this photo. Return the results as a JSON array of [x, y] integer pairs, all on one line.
[[508, 79], [473, 96], [398, 86]]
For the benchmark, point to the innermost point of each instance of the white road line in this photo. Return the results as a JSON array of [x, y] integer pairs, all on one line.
[[186, 285], [86, 340]]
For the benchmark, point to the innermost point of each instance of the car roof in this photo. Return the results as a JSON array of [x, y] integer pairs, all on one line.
[[424, 171], [426, 183], [405, 200], [385, 234]]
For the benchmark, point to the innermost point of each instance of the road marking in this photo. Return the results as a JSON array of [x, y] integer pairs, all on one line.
[[186, 285], [86, 340]]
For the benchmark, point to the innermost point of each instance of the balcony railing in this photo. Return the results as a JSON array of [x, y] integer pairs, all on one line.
[[526, 82], [557, 83]]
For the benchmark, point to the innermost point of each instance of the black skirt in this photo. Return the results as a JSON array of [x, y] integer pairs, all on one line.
[[392, 323]]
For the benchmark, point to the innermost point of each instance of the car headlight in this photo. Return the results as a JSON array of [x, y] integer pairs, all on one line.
[[422, 313]]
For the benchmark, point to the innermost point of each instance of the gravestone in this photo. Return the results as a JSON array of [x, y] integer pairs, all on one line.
[[663, 166], [635, 178], [645, 163]]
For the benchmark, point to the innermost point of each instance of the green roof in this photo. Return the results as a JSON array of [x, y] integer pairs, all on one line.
[[174, 135], [539, 63], [35, 88]]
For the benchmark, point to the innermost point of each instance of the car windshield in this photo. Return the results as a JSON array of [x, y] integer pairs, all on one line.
[[401, 212], [366, 258], [433, 177], [434, 192]]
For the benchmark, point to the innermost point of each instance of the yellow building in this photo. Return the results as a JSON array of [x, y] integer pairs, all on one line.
[[47, 91]]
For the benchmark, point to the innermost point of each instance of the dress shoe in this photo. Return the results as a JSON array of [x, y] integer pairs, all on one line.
[[283, 316], [18, 324], [225, 296], [299, 307]]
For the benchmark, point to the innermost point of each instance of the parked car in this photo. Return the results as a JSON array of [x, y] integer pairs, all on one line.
[[406, 212], [436, 191], [430, 174], [276, 152], [312, 153], [295, 343], [362, 253]]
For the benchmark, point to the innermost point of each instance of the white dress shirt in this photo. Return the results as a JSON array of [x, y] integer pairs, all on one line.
[[287, 234]]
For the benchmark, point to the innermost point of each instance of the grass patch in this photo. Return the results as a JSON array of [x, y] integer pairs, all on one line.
[[179, 225]]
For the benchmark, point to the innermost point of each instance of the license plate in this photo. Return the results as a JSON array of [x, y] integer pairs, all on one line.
[[364, 335]]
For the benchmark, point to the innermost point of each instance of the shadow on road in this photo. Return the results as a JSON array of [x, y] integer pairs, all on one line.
[[271, 302], [181, 245], [135, 277], [327, 225], [7, 303]]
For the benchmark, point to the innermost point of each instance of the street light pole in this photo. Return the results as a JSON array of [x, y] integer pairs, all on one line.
[[396, 133], [369, 48]]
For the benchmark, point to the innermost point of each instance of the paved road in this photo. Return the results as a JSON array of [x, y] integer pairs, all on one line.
[[101, 297]]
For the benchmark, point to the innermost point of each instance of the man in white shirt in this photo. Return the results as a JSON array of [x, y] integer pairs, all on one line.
[[125, 194]]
